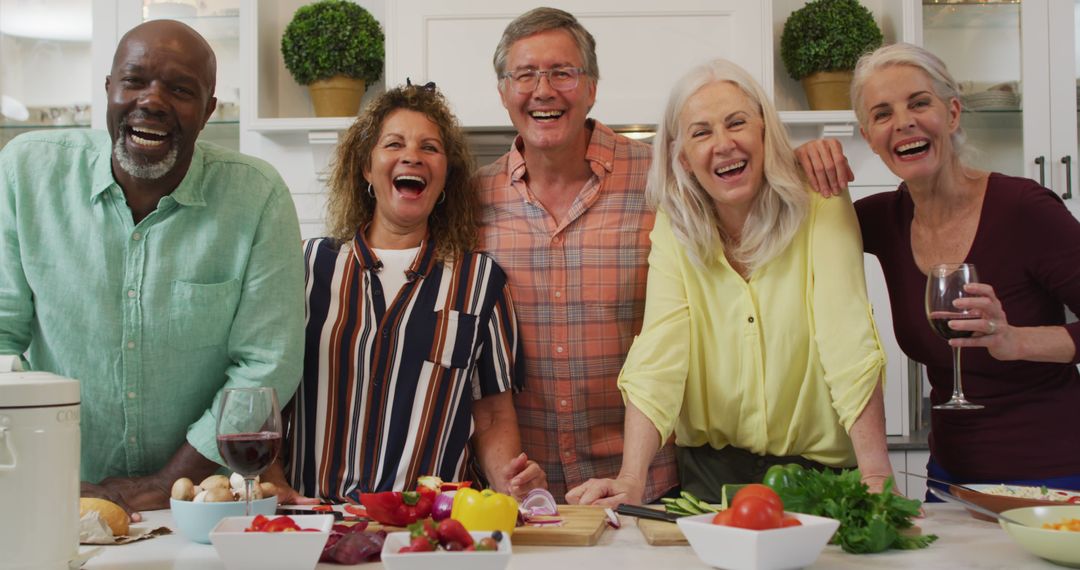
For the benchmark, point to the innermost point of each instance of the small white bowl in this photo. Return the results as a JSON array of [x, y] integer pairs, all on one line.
[[442, 559], [743, 549], [195, 520], [241, 550], [1058, 546]]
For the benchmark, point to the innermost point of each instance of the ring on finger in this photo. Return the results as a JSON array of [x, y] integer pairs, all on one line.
[[993, 327]]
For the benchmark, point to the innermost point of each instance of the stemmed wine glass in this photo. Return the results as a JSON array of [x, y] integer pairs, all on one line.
[[249, 433], [945, 284]]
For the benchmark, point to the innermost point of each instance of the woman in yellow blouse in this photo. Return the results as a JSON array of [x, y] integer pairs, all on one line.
[[758, 345]]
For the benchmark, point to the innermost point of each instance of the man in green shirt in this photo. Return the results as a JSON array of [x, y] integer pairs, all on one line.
[[153, 269]]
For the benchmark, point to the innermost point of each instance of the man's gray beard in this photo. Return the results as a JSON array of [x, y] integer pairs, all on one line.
[[151, 171]]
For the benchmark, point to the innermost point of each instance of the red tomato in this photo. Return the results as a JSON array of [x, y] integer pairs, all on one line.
[[1074, 500], [758, 490], [789, 520], [756, 513], [723, 518]]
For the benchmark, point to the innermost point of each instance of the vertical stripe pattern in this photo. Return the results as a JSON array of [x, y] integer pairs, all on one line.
[[388, 384]]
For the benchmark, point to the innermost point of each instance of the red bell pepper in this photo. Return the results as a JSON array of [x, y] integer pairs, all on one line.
[[399, 509]]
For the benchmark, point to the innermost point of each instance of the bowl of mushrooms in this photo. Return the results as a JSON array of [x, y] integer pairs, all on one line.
[[196, 509]]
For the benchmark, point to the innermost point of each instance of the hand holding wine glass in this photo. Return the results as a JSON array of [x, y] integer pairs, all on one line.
[[249, 433], [944, 285]]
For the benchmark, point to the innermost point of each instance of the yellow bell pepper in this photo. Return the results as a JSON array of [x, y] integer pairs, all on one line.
[[484, 510]]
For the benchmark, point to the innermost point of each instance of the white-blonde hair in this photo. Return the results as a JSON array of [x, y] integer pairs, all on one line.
[[779, 206], [945, 86]]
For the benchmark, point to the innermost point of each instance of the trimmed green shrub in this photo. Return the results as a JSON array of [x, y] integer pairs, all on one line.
[[333, 37], [827, 35]]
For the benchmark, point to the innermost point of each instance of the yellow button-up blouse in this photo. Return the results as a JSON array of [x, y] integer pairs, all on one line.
[[782, 364]]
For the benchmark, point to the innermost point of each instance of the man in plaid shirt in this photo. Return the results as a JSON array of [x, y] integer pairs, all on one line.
[[565, 217]]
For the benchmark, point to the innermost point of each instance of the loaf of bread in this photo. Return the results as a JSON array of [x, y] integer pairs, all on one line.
[[110, 512]]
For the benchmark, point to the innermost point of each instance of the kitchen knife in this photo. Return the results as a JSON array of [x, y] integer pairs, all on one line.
[[646, 513]]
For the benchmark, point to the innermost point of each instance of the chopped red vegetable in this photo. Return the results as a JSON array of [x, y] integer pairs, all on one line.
[[399, 509]]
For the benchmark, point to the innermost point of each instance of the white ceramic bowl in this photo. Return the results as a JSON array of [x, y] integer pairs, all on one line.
[[441, 559], [1057, 546], [241, 550], [742, 549], [195, 520]]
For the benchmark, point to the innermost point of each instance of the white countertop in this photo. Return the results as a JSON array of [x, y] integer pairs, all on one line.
[[963, 542]]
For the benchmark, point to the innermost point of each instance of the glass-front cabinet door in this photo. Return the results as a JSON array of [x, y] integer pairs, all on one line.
[[45, 71], [1016, 61], [219, 22]]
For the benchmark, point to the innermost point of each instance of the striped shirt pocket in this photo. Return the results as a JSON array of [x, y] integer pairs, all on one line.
[[455, 333]]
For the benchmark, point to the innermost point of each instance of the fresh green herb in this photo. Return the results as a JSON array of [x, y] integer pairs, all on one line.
[[869, 522]]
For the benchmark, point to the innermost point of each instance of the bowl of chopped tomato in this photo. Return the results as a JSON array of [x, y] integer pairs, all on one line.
[[425, 550], [1052, 533], [285, 542]]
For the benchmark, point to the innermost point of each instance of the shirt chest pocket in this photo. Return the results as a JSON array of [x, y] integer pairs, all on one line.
[[454, 339], [201, 314]]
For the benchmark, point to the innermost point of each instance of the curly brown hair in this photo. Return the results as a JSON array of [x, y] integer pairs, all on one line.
[[455, 221]]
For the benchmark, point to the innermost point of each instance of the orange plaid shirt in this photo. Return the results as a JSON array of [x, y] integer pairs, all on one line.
[[579, 294]]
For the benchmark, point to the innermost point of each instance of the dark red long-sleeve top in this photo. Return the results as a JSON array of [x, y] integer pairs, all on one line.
[[1027, 247]]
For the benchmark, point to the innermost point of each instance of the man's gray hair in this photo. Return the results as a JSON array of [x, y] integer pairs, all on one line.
[[541, 20]]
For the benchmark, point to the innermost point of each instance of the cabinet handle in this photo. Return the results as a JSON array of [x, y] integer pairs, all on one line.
[[1067, 161], [1041, 161]]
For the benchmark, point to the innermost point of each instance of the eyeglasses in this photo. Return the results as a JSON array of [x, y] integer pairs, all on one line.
[[560, 78]]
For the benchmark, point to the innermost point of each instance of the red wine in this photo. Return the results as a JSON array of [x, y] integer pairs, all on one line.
[[941, 327], [249, 453]]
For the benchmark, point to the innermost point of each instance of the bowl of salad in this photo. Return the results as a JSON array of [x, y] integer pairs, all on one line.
[[1000, 498]]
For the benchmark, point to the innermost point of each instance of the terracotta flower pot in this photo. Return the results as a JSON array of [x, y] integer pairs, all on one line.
[[828, 90], [338, 96]]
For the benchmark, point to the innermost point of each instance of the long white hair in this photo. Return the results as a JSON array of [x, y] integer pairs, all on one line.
[[779, 207]]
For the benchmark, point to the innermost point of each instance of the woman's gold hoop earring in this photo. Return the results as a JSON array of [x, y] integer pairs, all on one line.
[[370, 191]]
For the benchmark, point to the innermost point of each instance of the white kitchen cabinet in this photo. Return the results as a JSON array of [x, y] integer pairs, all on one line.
[[642, 48], [1028, 45]]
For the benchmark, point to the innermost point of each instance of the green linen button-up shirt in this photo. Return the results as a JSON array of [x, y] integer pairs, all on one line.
[[154, 318]]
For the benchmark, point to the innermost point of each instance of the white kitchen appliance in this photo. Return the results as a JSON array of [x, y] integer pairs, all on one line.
[[39, 471]]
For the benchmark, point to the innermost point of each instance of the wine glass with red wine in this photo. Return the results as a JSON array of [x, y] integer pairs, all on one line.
[[249, 433], [945, 284]]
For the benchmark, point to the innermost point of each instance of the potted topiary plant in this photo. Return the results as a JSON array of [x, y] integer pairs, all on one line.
[[821, 43], [334, 47]]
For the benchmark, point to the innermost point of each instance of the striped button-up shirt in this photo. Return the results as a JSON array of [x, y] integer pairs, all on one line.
[[388, 384], [579, 292]]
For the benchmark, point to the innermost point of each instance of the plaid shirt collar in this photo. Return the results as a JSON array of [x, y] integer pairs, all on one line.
[[600, 152]]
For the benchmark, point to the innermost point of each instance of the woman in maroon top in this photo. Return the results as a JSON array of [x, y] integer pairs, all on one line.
[[1026, 246]]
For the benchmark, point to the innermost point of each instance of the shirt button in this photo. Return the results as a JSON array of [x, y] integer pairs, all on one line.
[[751, 319], [566, 453], [136, 236], [556, 240], [386, 333], [131, 344], [559, 349], [558, 294], [131, 439], [131, 293], [131, 395], [562, 403]]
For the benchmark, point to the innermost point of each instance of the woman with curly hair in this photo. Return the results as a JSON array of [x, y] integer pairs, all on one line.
[[411, 351]]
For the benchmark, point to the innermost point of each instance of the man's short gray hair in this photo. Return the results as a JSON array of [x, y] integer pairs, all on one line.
[[541, 20]]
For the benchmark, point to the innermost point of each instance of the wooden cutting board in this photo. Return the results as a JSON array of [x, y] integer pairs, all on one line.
[[582, 526], [661, 533]]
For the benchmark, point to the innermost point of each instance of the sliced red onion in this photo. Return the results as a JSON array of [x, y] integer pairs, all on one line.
[[539, 502]]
